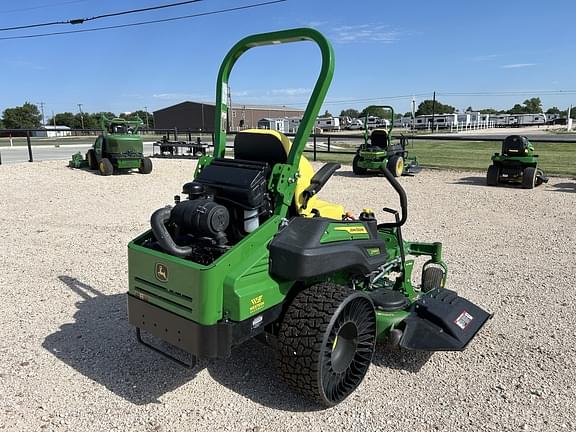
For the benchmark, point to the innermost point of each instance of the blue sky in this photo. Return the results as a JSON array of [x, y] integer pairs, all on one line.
[[383, 49]]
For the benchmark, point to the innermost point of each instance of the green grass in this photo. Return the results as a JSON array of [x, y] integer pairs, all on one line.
[[555, 158]]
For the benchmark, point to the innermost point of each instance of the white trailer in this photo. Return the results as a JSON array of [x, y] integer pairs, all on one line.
[[328, 123]]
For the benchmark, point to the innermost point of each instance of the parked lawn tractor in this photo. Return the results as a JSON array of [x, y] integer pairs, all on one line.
[[253, 252], [378, 152], [118, 149], [516, 164]]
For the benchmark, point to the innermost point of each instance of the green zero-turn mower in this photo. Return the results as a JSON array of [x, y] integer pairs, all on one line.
[[118, 149], [517, 164], [378, 152], [253, 252]]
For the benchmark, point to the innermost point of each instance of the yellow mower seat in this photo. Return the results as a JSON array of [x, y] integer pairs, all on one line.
[[265, 145]]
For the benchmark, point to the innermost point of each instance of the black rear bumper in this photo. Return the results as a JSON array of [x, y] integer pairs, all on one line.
[[210, 342]]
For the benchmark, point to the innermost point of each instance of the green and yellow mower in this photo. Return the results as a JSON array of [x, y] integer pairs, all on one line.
[[516, 164], [378, 152], [118, 149], [251, 251]]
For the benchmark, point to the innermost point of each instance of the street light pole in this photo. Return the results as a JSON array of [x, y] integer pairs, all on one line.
[[81, 115], [42, 109]]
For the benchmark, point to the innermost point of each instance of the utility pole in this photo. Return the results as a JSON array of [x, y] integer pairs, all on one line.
[[146, 111], [433, 109], [569, 120], [53, 119], [42, 110], [413, 112], [81, 115]]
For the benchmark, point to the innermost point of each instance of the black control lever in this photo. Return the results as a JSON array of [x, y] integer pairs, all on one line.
[[398, 234], [403, 203]]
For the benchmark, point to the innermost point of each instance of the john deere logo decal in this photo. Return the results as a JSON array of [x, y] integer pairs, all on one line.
[[161, 272]]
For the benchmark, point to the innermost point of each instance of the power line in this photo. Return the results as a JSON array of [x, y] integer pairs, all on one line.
[[42, 6], [216, 12], [108, 15]]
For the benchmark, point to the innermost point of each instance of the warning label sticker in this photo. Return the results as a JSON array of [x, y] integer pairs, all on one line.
[[463, 320]]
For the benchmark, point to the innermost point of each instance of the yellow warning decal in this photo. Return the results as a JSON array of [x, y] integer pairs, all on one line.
[[256, 303], [352, 229]]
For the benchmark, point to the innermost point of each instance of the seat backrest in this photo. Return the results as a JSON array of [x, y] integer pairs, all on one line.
[[261, 145], [515, 145], [379, 138], [272, 147]]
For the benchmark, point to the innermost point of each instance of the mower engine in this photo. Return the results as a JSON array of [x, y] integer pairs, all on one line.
[[227, 200]]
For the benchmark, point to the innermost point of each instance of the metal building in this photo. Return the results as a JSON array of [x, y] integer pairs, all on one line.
[[200, 116]]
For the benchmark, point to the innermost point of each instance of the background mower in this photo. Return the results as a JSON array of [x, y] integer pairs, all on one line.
[[378, 152], [516, 164], [118, 149], [253, 252]]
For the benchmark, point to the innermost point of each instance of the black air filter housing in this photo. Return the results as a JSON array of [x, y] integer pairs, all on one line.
[[237, 181]]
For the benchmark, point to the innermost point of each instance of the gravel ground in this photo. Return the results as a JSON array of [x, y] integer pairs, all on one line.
[[70, 361]]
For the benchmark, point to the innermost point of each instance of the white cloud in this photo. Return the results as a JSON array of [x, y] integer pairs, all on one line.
[[517, 65], [486, 57], [299, 91], [365, 33], [177, 96]]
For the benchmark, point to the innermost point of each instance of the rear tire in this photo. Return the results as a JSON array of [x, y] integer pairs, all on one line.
[[145, 166], [105, 167], [326, 342], [91, 158], [396, 165], [432, 278], [529, 178], [357, 169], [493, 175]]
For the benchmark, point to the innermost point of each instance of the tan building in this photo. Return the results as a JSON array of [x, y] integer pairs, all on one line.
[[197, 116]]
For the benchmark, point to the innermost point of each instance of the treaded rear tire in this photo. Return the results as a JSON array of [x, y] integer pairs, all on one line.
[[105, 167], [357, 169], [492, 175], [326, 342], [396, 165], [91, 158], [145, 166], [529, 178]]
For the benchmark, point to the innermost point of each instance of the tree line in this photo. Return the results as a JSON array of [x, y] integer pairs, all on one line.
[[28, 116], [426, 107]]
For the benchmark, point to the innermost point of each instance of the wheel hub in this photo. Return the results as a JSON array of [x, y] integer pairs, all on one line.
[[344, 347]]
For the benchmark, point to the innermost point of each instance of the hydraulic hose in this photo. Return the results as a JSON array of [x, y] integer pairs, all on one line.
[[158, 222], [403, 201]]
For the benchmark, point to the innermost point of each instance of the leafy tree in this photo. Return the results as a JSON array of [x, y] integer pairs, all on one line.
[[469, 109], [517, 109], [489, 111], [326, 114], [62, 119], [26, 116], [375, 111], [425, 108], [141, 114], [533, 105], [553, 110], [350, 112]]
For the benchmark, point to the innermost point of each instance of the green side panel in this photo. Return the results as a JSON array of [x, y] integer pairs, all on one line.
[[372, 164], [527, 160], [235, 286], [372, 154], [124, 144], [342, 232], [187, 289], [128, 163]]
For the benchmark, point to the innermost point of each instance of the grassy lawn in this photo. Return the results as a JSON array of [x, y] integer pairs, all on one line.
[[555, 158]]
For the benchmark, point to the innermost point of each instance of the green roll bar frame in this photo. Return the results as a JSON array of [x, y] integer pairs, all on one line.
[[316, 99]]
